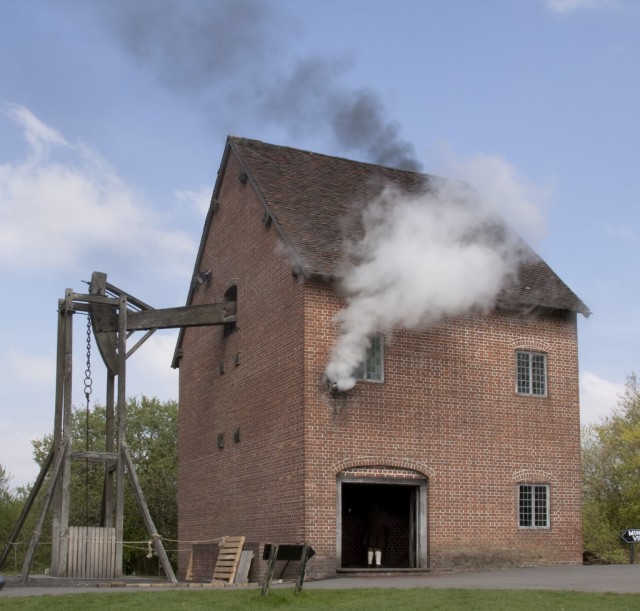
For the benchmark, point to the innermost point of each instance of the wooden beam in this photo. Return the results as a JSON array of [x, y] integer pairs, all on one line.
[[302, 569], [121, 420], [268, 575], [155, 537], [95, 456], [107, 495], [170, 318], [35, 537]]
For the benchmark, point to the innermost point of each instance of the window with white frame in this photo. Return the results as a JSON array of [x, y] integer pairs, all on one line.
[[531, 373], [533, 505], [372, 366]]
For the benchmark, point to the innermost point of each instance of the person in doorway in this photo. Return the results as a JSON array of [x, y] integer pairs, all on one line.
[[375, 537]]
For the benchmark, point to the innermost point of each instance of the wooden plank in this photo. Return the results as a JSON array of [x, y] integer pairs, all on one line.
[[95, 456], [71, 552], [189, 575], [242, 573]]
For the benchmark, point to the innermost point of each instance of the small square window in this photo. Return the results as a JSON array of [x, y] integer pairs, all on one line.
[[531, 373], [372, 367], [533, 505]]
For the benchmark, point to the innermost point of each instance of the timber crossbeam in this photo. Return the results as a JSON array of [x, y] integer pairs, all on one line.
[[170, 318]]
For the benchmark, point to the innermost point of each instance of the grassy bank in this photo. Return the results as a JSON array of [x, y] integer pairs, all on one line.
[[423, 598]]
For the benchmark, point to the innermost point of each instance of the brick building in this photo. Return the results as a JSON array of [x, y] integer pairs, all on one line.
[[466, 434]]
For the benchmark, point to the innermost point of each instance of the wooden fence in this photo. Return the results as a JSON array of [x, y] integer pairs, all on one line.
[[92, 552]]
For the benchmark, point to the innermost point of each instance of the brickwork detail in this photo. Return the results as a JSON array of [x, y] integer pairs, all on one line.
[[382, 466], [533, 476], [531, 343]]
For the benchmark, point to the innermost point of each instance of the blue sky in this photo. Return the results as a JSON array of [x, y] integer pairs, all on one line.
[[114, 114]]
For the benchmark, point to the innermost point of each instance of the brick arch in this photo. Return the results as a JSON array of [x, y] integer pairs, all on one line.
[[533, 475], [531, 343], [378, 461]]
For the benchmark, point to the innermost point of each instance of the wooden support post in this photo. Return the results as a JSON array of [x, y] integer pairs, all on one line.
[[64, 406], [107, 493], [155, 538], [64, 319], [302, 568], [268, 576], [121, 426], [111, 320], [57, 464]]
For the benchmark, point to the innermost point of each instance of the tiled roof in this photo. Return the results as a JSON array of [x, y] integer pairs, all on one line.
[[316, 202]]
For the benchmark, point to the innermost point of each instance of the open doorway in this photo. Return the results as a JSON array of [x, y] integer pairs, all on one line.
[[403, 506]]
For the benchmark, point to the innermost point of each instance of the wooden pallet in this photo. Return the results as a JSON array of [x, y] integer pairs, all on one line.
[[228, 559]]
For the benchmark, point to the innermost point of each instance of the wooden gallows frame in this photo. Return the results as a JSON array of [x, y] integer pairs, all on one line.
[[115, 316]]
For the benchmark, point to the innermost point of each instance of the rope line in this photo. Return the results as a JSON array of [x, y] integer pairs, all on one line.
[[220, 540]]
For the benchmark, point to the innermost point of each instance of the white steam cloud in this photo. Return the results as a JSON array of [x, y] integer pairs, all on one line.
[[422, 258]]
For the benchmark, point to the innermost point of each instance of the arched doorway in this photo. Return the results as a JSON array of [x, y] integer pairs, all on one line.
[[403, 503]]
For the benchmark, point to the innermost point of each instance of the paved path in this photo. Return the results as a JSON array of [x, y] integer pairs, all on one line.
[[612, 578]]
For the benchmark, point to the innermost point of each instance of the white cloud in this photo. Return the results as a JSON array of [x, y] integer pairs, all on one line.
[[199, 199], [38, 135], [64, 201], [565, 7], [598, 397]]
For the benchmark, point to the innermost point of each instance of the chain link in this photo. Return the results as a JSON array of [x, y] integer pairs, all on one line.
[[88, 382]]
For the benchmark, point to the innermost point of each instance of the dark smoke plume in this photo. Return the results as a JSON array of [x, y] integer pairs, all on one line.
[[227, 53], [193, 45]]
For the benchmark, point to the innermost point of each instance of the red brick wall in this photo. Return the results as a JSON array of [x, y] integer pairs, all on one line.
[[448, 409], [252, 487], [447, 412]]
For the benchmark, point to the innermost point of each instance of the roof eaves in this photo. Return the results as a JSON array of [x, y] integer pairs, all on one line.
[[175, 361], [299, 268]]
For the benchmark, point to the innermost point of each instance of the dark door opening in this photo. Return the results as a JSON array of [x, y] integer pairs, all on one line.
[[398, 503]]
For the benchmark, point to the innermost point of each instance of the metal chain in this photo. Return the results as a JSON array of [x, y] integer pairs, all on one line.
[[88, 383]]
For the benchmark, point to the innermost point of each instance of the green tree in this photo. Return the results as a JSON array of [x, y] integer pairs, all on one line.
[[611, 477], [11, 502], [151, 435]]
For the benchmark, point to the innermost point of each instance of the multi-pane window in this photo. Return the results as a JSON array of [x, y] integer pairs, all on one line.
[[533, 505], [531, 373], [372, 366]]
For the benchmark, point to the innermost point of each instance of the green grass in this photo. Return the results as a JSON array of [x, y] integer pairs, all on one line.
[[371, 599]]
